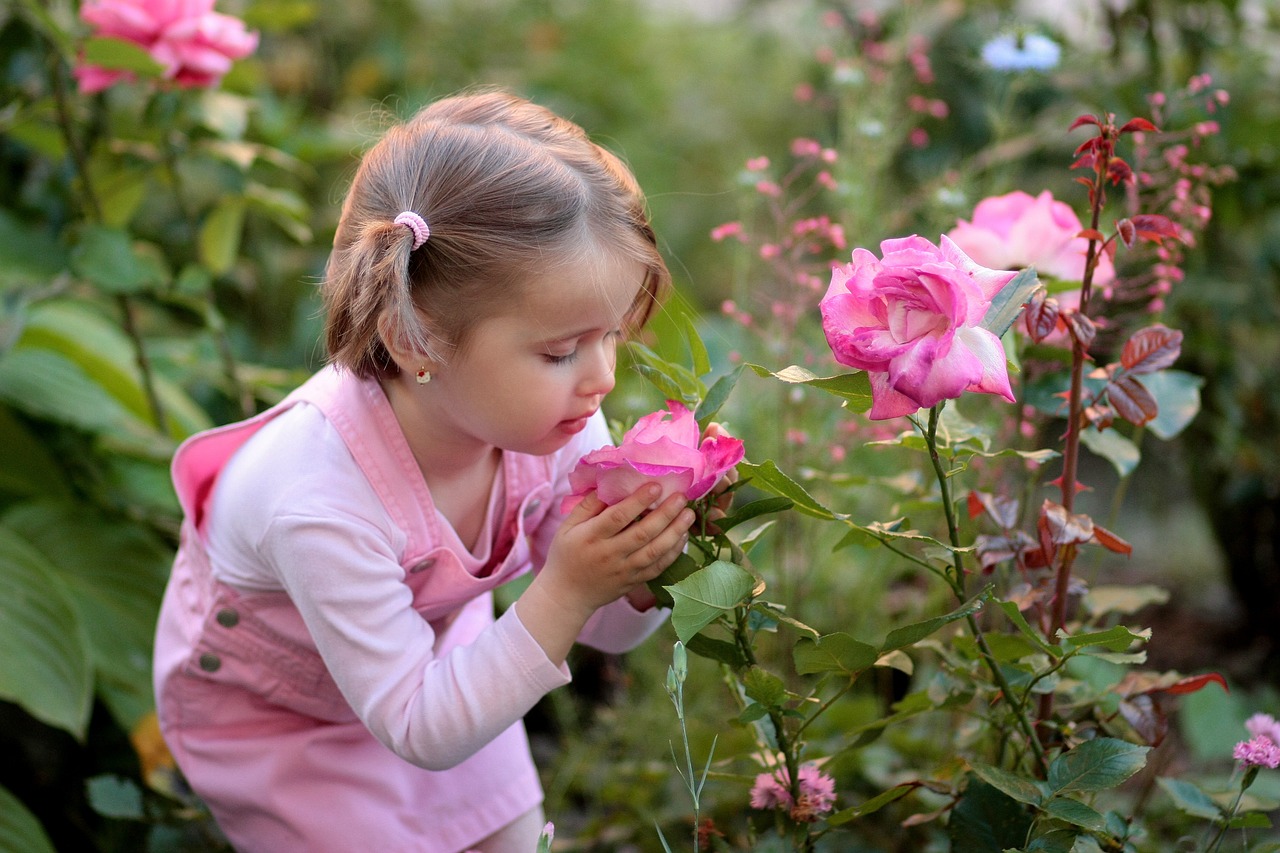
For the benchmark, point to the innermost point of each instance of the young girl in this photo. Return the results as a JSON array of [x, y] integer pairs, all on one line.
[[329, 672]]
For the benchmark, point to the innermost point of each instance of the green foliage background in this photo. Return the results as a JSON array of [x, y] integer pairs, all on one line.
[[158, 256]]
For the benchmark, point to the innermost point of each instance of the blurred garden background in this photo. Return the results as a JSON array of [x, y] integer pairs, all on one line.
[[160, 248]]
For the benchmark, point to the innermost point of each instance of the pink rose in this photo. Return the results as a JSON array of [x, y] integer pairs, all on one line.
[[193, 43], [1015, 231], [663, 447], [817, 793], [912, 321]]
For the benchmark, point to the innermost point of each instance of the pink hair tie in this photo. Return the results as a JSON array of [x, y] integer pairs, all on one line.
[[417, 225]]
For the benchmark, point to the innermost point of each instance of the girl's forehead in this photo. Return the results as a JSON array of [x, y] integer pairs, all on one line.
[[596, 289]]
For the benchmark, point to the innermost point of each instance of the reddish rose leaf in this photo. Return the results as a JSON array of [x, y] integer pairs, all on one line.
[[1128, 232], [1082, 329], [1092, 234], [1132, 401], [1065, 528], [1154, 228], [1151, 349], [1136, 124], [1119, 172], [1147, 718], [1110, 541], [1082, 121], [1193, 683], [1041, 316]]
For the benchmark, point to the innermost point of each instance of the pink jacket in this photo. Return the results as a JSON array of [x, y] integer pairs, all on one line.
[[329, 673]]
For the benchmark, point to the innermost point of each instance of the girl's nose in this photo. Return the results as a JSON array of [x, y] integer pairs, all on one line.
[[598, 377]]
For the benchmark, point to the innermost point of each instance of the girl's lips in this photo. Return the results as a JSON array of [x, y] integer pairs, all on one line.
[[576, 425]]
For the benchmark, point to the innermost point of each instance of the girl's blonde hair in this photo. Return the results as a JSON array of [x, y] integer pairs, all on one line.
[[509, 190]]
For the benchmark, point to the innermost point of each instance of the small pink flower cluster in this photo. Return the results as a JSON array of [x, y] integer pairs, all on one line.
[[1263, 748], [817, 793], [194, 44]]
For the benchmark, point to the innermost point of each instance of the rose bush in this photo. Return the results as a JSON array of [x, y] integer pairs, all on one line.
[[193, 44], [911, 321], [665, 447]]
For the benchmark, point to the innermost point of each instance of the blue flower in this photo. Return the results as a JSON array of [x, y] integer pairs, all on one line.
[[1011, 52]]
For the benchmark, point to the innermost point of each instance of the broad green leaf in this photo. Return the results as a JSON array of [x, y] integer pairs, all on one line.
[[717, 396], [707, 594], [114, 576], [1122, 453], [115, 796], [764, 687], [19, 828], [746, 512], [986, 819], [837, 652], [1096, 765], [44, 662], [717, 650], [120, 188], [682, 567], [286, 209], [1075, 812], [1177, 394], [29, 256], [675, 381], [120, 55], [37, 11], [1021, 788], [874, 804], [1007, 304], [1117, 638], [853, 388], [767, 476], [219, 240], [26, 468], [1190, 799], [109, 259], [909, 635]]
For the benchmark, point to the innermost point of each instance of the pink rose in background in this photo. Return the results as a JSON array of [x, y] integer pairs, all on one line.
[[912, 321], [1016, 230], [663, 447], [195, 44], [817, 793]]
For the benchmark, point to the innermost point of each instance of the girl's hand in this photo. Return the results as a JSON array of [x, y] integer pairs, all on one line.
[[600, 554]]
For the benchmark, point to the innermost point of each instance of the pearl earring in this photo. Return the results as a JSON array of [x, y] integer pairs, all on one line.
[[424, 376]]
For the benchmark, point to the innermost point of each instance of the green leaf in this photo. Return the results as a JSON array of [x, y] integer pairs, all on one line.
[[717, 396], [746, 512], [1021, 788], [26, 467], [1177, 395], [1189, 799], [1117, 638], [874, 804], [19, 828], [108, 258], [219, 241], [1020, 622], [116, 797], [1096, 765], [717, 650], [44, 662], [987, 820], [764, 687], [286, 209], [707, 594], [114, 576], [909, 635], [837, 652], [697, 349], [767, 477], [29, 256], [675, 381], [1110, 445], [1007, 304], [853, 388], [1075, 812], [682, 567], [120, 55]]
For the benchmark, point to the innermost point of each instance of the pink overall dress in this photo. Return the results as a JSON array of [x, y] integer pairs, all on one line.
[[252, 714]]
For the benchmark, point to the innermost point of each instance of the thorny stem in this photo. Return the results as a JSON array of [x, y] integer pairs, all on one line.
[[125, 305], [957, 585], [1249, 774]]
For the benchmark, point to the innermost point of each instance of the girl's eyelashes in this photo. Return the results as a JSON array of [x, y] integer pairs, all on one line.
[[567, 358]]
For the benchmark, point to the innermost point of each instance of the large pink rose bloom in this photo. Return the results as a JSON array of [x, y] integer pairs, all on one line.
[[663, 447], [1017, 230], [912, 321], [195, 44]]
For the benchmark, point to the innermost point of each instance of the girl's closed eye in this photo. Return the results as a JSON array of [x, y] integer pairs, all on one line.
[[566, 358]]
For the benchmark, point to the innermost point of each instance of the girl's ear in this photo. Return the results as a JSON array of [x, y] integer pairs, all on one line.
[[399, 345]]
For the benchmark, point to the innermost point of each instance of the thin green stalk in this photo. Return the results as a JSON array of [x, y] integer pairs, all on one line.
[[957, 585]]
